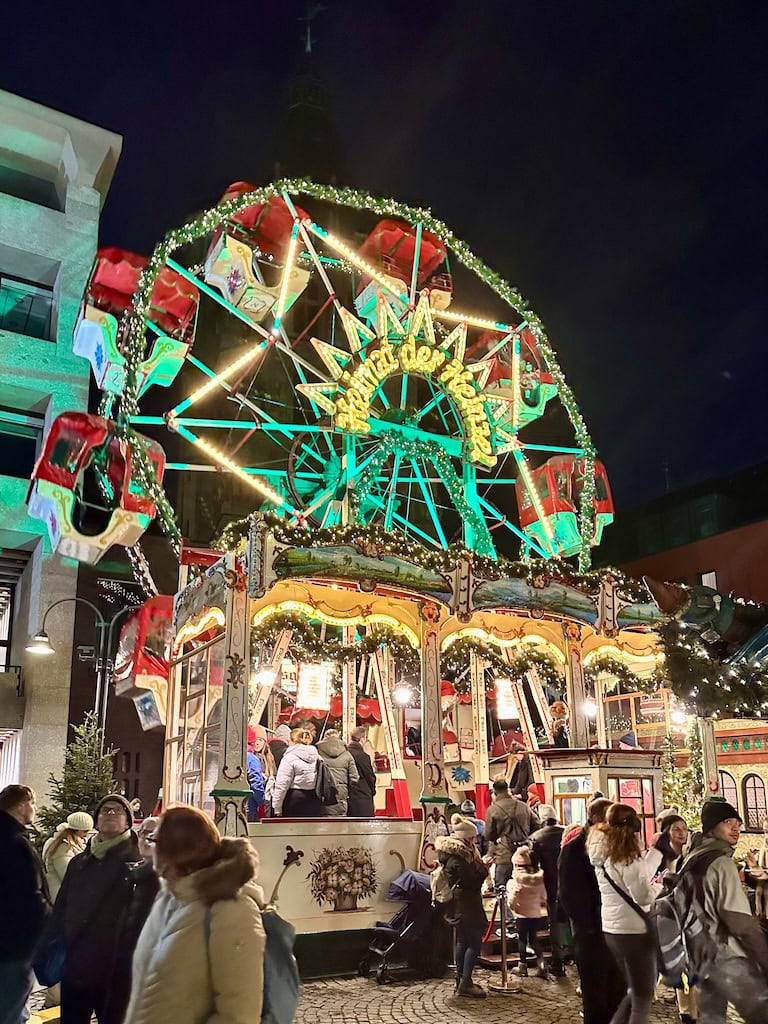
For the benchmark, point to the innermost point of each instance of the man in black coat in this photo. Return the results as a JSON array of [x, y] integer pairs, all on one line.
[[24, 901], [90, 915], [602, 985], [546, 843], [522, 773], [362, 792]]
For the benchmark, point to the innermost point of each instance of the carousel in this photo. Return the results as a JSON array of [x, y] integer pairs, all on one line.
[[425, 496]]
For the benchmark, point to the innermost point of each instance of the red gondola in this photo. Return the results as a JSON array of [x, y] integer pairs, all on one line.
[[115, 280], [80, 449], [267, 225], [558, 484], [391, 247], [143, 654]]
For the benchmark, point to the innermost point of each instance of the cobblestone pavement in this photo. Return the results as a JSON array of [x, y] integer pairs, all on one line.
[[360, 1001]]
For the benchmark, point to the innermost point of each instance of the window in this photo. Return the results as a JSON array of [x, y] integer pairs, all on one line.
[[25, 308], [6, 611], [728, 789], [755, 810], [638, 793], [20, 436]]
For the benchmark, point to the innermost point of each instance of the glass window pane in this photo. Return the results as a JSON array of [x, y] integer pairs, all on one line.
[[648, 796], [754, 803], [728, 789], [25, 308], [572, 784]]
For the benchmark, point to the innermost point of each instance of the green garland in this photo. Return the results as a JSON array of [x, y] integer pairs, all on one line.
[[457, 655], [207, 222], [698, 676], [535, 571], [306, 645], [436, 454], [629, 680]]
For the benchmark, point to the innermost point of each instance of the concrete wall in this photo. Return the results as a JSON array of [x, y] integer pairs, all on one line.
[[56, 248]]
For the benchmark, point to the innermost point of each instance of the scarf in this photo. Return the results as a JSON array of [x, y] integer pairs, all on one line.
[[101, 847]]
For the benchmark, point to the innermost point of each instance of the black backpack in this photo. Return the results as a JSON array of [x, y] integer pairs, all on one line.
[[325, 790]]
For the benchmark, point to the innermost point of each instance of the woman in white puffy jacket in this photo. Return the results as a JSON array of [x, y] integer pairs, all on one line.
[[294, 794], [615, 853], [200, 955]]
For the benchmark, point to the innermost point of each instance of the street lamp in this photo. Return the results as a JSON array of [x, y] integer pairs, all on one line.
[[40, 644]]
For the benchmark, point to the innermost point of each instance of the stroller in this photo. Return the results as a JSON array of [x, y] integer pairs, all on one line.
[[416, 942]]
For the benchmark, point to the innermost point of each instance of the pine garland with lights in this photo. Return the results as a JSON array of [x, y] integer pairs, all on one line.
[[629, 680], [698, 676], [135, 341], [306, 645], [374, 539]]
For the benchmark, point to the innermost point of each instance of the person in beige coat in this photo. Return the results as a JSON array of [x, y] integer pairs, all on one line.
[[200, 955]]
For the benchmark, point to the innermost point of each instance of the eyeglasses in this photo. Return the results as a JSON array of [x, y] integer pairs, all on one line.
[[112, 810]]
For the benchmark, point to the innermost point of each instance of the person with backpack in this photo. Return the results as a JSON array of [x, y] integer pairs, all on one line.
[[602, 984], [295, 793], [626, 894], [545, 846], [733, 962], [465, 873], [341, 764], [200, 955], [508, 824]]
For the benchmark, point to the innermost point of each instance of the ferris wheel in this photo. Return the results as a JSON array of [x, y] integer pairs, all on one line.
[[314, 343]]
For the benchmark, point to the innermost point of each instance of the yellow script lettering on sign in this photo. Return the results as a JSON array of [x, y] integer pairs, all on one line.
[[353, 406]]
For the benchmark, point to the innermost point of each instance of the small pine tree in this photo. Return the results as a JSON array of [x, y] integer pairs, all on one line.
[[695, 775], [683, 788], [87, 778]]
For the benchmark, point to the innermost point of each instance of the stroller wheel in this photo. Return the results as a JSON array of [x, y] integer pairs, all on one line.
[[364, 967], [382, 976]]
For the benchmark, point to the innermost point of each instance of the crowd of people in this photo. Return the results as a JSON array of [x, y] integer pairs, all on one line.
[[161, 920], [594, 887], [282, 773]]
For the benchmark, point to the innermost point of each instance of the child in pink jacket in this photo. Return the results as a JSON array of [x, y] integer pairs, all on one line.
[[527, 896]]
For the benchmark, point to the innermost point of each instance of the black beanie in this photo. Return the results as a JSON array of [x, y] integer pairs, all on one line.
[[114, 798], [714, 811]]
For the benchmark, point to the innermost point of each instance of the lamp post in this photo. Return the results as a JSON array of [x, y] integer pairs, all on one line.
[[40, 644]]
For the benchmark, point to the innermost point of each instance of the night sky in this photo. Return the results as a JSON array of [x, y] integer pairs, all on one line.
[[609, 159]]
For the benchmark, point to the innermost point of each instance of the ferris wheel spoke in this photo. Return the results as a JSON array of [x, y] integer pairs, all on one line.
[[429, 501], [502, 520], [217, 297]]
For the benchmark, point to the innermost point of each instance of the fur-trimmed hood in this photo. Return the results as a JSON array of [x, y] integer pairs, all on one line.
[[453, 847], [235, 869], [528, 878]]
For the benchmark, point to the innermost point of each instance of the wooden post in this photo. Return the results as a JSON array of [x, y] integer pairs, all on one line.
[[265, 691], [574, 686], [480, 735], [434, 791], [383, 674], [348, 688], [709, 756], [602, 733], [232, 790]]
